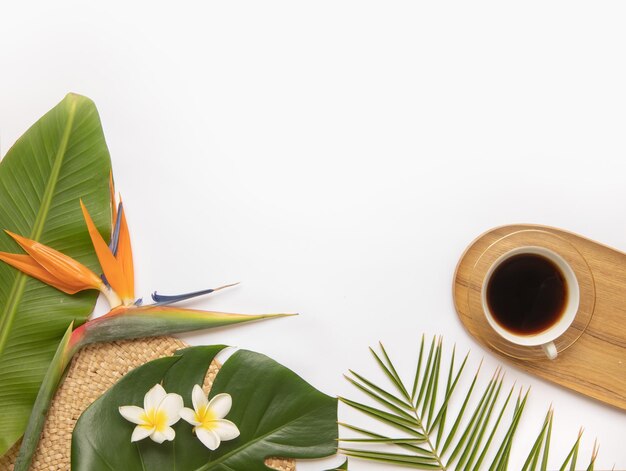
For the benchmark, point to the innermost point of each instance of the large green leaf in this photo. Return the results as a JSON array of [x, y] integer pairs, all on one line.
[[277, 412], [63, 157]]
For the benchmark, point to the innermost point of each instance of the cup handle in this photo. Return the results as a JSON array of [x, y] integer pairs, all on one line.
[[550, 350]]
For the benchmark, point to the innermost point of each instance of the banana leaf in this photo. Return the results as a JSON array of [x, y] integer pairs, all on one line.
[[63, 157], [276, 411]]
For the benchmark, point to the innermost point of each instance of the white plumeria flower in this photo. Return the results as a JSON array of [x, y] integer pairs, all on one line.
[[160, 411], [208, 418]]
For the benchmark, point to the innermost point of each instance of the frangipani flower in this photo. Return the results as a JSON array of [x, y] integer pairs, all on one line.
[[208, 418], [160, 411]]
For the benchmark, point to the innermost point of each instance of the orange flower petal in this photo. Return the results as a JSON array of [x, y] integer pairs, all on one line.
[[28, 265], [125, 253], [65, 269], [110, 266]]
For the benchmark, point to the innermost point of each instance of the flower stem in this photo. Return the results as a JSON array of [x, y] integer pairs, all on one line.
[[54, 375], [111, 296]]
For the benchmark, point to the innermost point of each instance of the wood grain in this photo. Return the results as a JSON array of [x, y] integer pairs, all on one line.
[[592, 354]]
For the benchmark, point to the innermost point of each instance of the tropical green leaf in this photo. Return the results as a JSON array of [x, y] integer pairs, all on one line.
[[426, 441], [501, 459], [546, 447], [63, 157], [277, 412], [533, 456], [572, 457], [493, 432], [339, 468], [393, 458], [44, 398]]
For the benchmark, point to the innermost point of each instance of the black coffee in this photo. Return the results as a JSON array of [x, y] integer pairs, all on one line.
[[527, 294]]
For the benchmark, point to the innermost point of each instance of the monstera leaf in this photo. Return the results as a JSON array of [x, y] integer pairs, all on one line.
[[276, 411], [60, 159]]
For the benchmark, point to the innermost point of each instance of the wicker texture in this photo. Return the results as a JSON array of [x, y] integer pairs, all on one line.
[[94, 370]]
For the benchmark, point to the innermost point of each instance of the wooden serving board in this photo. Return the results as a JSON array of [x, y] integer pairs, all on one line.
[[592, 354]]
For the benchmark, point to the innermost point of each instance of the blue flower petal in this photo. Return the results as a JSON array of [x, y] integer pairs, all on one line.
[[115, 236], [104, 280], [168, 299]]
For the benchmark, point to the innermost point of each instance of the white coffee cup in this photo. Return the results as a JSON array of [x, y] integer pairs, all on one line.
[[546, 337]]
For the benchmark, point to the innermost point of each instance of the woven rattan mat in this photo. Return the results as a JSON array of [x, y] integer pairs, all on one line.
[[94, 370]]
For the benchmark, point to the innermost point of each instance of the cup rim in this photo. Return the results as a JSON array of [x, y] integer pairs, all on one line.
[[567, 318]]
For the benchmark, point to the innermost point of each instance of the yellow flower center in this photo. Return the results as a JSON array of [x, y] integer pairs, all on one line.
[[154, 418], [206, 417]]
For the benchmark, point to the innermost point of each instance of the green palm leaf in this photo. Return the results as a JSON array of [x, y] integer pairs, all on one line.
[[60, 159], [426, 439]]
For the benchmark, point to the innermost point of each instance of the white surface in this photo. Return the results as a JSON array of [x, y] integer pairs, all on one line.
[[337, 157]]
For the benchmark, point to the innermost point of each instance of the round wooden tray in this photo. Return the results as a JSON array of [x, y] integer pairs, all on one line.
[[592, 353]]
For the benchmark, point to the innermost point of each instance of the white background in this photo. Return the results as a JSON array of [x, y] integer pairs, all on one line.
[[337, 157]]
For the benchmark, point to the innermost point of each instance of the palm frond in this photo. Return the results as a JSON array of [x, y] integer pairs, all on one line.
[[430, 433]]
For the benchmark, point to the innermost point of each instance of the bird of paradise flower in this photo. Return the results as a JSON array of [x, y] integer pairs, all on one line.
[[128, 318]]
